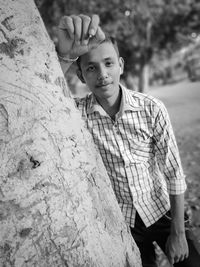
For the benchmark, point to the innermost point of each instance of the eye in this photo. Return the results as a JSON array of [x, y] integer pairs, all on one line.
[[90, 68], [109, 63]]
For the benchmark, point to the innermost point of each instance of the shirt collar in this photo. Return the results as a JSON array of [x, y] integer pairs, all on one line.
[[94, 106], [128, 102]]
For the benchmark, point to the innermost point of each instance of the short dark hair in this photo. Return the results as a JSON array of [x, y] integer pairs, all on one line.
[[108, 39]]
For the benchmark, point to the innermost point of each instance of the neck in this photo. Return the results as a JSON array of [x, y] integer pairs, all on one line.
[[111, 104]]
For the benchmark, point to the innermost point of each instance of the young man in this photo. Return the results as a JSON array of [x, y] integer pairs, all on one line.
[[136, 142]]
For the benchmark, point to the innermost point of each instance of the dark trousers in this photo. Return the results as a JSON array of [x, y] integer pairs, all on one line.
[[159, 232]]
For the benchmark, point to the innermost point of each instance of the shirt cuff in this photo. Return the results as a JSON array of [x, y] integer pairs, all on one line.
[[176, 186]]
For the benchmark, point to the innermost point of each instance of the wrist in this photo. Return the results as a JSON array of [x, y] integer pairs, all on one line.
[[177, 229], [177, 232], [67, 58]]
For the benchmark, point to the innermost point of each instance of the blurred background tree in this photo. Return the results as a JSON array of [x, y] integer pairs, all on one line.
[[149, 32]]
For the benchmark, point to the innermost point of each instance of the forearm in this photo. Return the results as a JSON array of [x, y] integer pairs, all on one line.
[[176, 245], [65, 66], [177, 214]]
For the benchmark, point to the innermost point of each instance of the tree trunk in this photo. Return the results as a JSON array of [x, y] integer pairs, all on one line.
[[57, 207], [147, 54], [143, 84]]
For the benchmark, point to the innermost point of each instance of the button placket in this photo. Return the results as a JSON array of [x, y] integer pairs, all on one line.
[[119, 140]]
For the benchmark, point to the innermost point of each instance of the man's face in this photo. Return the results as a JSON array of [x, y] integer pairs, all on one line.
[[101, 69]]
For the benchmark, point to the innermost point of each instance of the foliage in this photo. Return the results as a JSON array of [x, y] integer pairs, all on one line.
[[142, 27]]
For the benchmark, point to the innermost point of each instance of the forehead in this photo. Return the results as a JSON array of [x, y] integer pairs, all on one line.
[[100, 53]]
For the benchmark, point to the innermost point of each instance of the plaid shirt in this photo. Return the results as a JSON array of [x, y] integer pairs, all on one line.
[[139, 152]]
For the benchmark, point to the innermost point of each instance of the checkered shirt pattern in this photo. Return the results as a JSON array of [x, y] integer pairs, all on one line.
[[139, 152]]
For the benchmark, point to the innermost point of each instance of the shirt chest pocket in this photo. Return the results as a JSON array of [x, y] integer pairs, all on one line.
[[141, 149]]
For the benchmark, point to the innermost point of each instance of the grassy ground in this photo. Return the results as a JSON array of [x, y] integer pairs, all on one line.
[[183, 103]]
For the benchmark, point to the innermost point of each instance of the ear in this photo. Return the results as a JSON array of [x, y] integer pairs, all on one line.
[[121, 64], [80, 76]]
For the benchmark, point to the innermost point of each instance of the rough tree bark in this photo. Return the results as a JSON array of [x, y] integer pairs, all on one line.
[[57, 207]]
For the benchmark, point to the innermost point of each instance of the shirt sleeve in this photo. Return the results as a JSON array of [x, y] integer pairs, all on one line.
[[167, 154]]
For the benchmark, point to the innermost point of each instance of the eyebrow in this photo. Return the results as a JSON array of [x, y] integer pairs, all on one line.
[[93, 62]]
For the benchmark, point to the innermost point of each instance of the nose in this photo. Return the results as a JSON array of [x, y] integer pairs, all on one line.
[[102, 73]]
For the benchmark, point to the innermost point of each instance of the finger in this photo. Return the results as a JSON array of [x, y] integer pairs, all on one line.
[[85, 27], [187, 254], [93, 25], [66, 24], [187, 251], [181, 258], [77, 22], [171, 260], [177, 259]]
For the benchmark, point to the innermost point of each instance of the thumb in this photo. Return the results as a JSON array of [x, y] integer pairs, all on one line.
[[97, 38], [100, 35]]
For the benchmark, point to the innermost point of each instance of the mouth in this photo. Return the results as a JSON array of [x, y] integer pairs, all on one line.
[[102, 85]]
